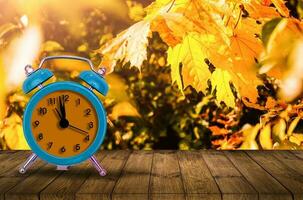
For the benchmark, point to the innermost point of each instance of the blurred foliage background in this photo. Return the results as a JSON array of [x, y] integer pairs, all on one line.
[[145, 110]]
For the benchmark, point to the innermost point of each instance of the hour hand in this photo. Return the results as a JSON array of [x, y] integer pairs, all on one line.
[[57, 111]]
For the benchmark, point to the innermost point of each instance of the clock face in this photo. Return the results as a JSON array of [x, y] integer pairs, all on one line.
[[64, 123]]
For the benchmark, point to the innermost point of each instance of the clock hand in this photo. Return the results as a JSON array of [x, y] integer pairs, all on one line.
[[58, 113], [78, 129], [62, 107], [63, 121]]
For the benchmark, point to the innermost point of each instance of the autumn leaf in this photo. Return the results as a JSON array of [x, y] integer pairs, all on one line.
[[191, 54], [265, 137], [227, 34], [257, 10], [123, 109], [250, 134], [218, 131], [12, 132], [281, 7], [220, 81], [128, 46], [51, 46], [282, 57]]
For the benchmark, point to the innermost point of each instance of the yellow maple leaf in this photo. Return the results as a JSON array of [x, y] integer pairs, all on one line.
[[259, 11], [128, 46], [224, 32], [220, 81], [281, 7], [191, 54], [173, 20]]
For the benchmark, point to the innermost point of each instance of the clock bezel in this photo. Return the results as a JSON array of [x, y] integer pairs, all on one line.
[[74, 87]]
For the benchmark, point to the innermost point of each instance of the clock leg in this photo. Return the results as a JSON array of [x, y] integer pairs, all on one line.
[[96, 164], [30, 160]]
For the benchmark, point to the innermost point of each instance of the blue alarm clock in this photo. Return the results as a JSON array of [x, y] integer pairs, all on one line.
[[64, 123]]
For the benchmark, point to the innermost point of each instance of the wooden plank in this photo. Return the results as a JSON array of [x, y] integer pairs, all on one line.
[[7, 151], [135, 177], [298, 153], [267, 186], [288, 177], [167, 196], [166, 181], [202, 196], [14, 172], [290, 160], [196, 177], [31, 186], [230, 181], [11, 176], [129, 196], [6, 183], [96, 187], [68, 183], [11, 160]]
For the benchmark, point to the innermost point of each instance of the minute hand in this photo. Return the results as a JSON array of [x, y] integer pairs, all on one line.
[[62, 107]]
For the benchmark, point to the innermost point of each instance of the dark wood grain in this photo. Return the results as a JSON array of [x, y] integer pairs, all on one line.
[[6, 183], [9, 161], [267, 186], [293, 161], [66, 186], [288, 177], [140, 175], [14, 170], [134, 181], [30, 187], [230, 181], [197, 179], [96, 187], [297, 153], [166, 180]]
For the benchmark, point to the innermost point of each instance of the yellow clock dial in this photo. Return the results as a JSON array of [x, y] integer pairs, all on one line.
[[64, 123]]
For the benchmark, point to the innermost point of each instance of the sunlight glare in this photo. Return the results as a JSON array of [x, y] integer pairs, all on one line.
[[21, 52]]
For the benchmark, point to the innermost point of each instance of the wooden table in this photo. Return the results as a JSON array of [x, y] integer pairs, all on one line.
[[160, 175]]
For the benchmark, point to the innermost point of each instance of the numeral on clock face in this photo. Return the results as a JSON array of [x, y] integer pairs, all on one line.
[[87, 112], [40, 136], [78, 102], [64, 123], [86, 138], [51, 101], [36, 123], [77, 147], [62, 149], [42, 111], [49, 145]]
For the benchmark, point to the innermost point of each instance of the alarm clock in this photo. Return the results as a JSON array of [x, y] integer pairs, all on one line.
[[64, 122]]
